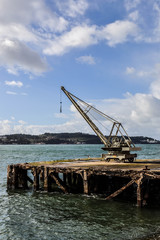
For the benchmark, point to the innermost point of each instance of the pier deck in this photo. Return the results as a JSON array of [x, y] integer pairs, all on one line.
[[139, 181]]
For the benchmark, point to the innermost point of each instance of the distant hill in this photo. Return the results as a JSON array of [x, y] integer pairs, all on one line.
[[64, 138]]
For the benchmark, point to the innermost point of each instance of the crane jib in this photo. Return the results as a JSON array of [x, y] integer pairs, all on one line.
[[118, 143]]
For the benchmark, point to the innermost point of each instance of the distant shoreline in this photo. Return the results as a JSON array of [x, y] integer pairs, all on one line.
[[64, 138]]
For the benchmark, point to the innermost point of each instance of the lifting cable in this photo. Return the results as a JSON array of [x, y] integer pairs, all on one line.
[[89, 113], [60, 101]]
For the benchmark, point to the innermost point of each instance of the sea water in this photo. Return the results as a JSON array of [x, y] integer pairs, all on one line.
[[26, 215]]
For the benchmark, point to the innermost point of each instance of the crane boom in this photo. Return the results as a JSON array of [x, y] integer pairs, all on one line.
[[84, 115], [119, 147]]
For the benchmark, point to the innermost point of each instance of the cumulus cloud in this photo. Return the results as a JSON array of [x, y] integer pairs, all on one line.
[[84, 35], [14, 83], [30, 28], [35, 25], [79, 36], [119, 32], [18, 55], [31, 12], [86, 60], [25, 26]]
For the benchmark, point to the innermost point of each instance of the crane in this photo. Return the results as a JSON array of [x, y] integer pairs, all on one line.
[[118, 143]]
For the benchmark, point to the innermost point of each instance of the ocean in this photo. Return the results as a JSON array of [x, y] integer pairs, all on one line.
[[26, 215]]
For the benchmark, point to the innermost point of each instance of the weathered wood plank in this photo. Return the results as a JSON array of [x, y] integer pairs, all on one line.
[[116, 193], [46, 180], [152, 175], [85, 182], [36, 179], [59, 182]]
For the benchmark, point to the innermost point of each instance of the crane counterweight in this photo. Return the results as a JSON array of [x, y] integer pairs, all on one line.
[[118, 143]]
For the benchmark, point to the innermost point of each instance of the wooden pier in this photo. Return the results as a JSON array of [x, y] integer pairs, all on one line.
[[138, 182]]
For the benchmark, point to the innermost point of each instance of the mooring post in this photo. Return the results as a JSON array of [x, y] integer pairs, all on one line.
[[85, 183], [36, 179], [46, 182]]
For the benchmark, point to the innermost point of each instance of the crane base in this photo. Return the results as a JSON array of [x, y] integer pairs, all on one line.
[[119, 157]]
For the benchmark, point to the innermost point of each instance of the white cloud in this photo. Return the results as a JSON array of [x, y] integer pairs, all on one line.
[[11, 93], [31, 12], [83, 36], [24, 26], [78, 37], [35, 27], [14, 83], [86, 59], [72, 8], [119, 32]]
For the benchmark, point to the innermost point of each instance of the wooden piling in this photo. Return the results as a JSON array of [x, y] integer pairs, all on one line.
[[41, 175], [85, 182], [46, 180], [139, 190], [36, 179]]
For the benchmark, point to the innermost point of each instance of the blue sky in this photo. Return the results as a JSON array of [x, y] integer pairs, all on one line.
[[106, 52]]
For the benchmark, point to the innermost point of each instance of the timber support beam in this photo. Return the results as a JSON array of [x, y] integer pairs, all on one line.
[[59, 182]]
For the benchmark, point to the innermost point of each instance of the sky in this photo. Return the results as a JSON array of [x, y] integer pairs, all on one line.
[[106, 52]]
